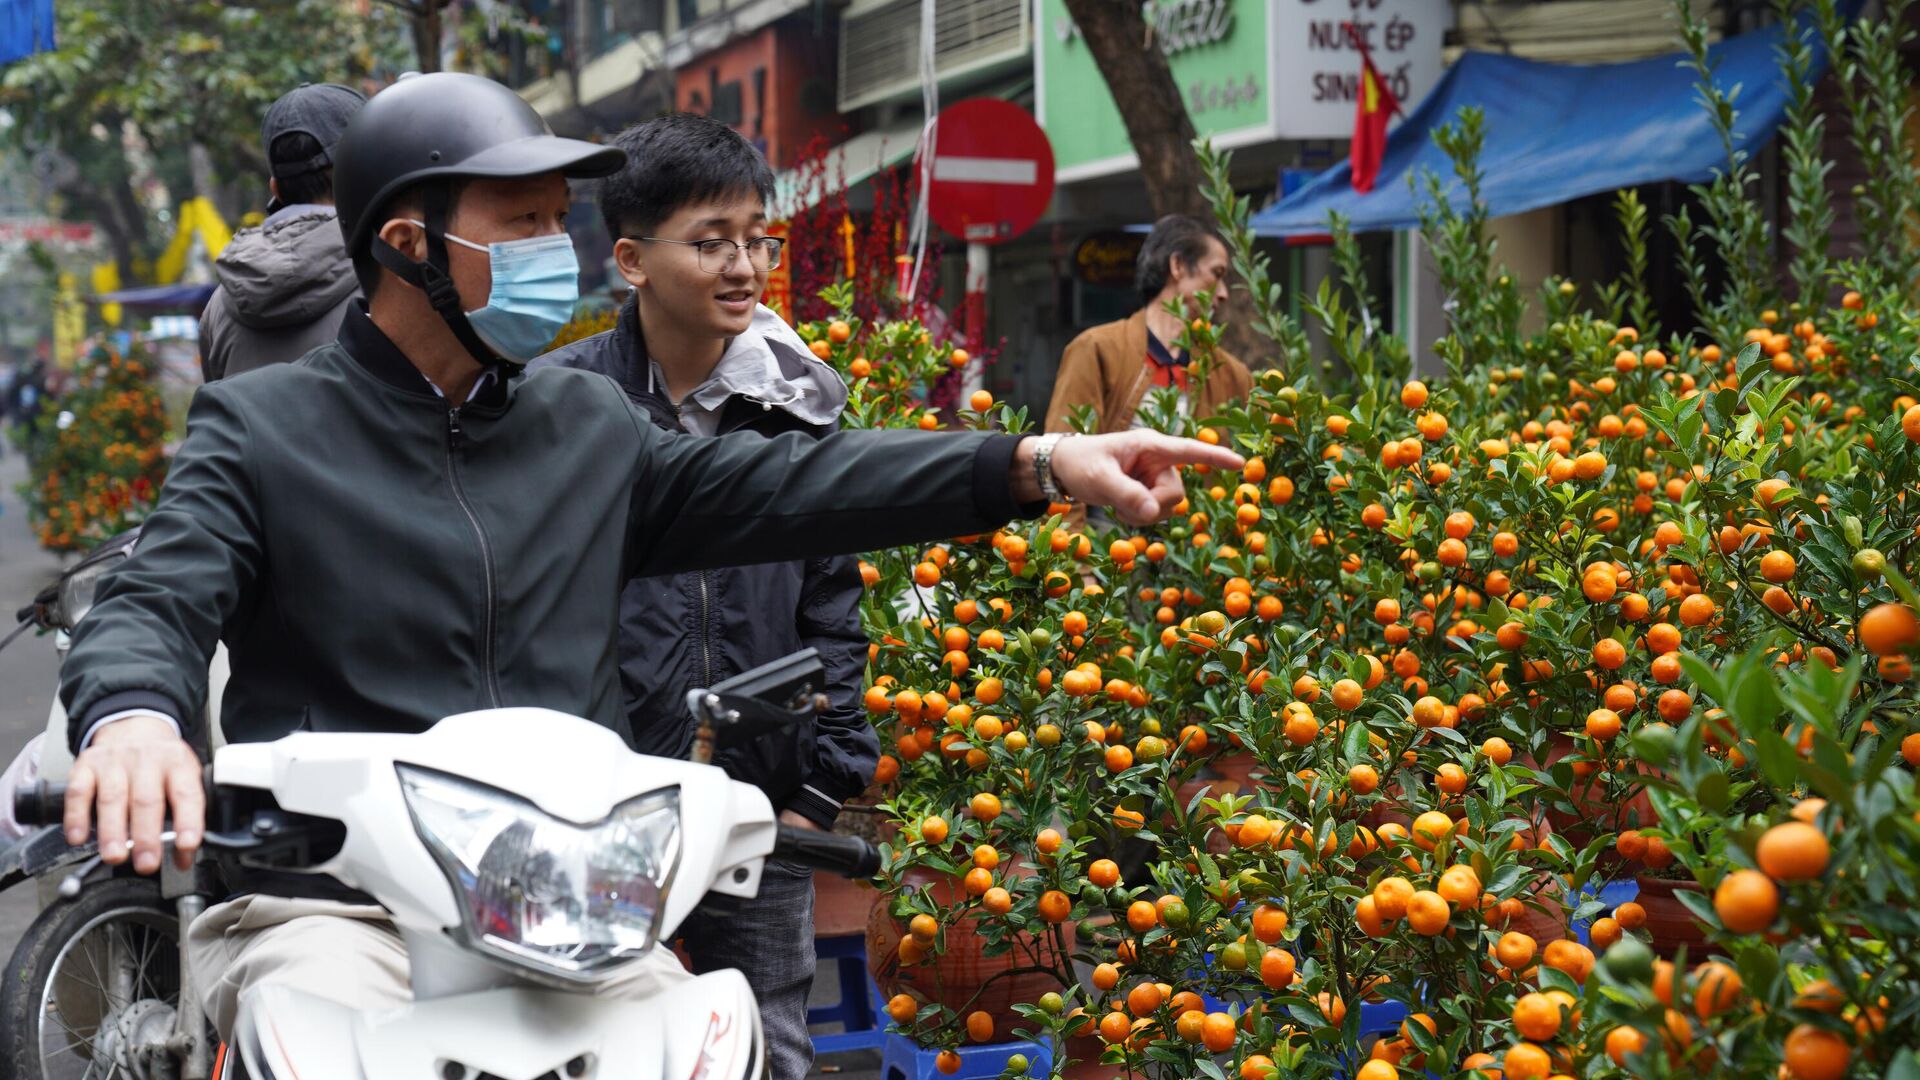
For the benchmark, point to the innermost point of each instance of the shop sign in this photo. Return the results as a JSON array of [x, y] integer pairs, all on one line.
[[1108, 259], [1250, 71], [1317, 63]]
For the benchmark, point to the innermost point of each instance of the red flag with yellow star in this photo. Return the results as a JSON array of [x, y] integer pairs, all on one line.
[[1376, 105]]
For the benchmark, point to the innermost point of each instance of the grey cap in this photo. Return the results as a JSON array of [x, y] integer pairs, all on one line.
[[320, 111]]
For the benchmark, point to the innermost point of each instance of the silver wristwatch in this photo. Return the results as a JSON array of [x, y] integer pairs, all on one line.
[[1043, 466]]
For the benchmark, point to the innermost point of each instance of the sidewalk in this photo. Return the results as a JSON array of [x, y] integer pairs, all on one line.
[[28, 667]]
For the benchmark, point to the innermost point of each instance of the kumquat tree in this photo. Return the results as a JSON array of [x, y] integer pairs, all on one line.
[[1549, 716]]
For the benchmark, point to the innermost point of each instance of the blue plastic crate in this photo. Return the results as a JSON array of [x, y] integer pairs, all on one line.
[[1381, 1017], [860, 1012], [1611, 893], [904, 1059]]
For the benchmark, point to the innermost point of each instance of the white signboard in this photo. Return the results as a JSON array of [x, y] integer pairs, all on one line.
[[1316, 67]]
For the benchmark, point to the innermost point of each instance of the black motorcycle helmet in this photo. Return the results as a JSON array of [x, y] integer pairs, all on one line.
[[425, 132]]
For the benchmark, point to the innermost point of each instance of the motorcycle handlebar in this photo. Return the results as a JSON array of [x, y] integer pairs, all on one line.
[[41, 803], [44, 803], [848, 856]]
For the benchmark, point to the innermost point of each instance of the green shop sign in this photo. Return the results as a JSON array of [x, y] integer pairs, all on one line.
[[1219, 56]]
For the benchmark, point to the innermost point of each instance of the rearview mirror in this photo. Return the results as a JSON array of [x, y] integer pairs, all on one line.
[[768, 699]]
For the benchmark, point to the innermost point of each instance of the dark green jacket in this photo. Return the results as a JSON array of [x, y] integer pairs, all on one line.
[[375, 560]]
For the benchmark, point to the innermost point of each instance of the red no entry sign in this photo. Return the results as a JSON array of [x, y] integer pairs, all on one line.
[[992, 171]]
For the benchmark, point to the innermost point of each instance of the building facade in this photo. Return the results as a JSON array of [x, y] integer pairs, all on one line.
[[1272, 80]]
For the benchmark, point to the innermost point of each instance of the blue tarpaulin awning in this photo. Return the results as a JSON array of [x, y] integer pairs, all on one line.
[[1555, 132], [26, 27]]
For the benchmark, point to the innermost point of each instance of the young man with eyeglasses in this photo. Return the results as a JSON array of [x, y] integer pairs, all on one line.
[[694, 349]]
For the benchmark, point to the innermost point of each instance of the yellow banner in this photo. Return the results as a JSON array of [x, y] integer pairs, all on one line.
[[69, 322], [198, 218], [106, 279]]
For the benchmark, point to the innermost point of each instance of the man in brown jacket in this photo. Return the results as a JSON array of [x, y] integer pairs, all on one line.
[[1114, 367]]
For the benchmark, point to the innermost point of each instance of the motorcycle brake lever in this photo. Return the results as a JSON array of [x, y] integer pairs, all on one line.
[[76, 879]]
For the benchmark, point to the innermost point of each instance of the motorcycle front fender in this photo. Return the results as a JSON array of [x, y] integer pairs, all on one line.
[[704, 1028]]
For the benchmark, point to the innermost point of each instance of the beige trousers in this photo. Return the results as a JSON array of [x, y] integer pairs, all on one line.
[[346, 953]]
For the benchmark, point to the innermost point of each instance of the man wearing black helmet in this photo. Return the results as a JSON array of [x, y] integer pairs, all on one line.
[[401, 526]]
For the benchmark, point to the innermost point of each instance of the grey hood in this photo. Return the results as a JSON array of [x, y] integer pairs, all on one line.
[[772, 366], [288, 272]]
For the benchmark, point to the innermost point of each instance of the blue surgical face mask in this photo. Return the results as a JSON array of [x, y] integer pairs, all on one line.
[[536, 283]]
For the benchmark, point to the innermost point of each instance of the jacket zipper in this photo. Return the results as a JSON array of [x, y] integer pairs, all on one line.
[[706, 592], [486, 558], [706, 628]]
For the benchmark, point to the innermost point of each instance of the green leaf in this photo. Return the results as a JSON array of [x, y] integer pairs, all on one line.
[[1696, 901], [1555, 979], [1355, 744], [1905, 1067], [1711, 791], [1749, 365]]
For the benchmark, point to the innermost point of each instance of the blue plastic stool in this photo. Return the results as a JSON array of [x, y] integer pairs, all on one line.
[[905, 1060], [1611, 894], [859, 1011], [1381, 1017]]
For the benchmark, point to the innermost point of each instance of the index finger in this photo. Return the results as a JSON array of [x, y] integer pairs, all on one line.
[[1193, 452]]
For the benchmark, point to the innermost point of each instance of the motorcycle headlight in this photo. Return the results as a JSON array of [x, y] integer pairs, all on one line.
[[563, 899]]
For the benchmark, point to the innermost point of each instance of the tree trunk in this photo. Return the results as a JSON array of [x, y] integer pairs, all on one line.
[[108, 198], [1142, 86], [88, 201], [1158, 125], [426, 35], [200, 166]]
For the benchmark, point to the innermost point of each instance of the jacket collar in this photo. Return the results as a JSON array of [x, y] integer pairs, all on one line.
[[635, 364], [376, 353], [1134, 335]]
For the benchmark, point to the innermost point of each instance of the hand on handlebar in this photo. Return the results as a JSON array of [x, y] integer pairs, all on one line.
[[126, 782]]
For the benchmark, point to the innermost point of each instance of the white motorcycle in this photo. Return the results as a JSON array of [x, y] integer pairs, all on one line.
[[526, 875]]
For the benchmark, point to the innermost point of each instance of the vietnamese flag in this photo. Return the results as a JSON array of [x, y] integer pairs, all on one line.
[[1376, 105]]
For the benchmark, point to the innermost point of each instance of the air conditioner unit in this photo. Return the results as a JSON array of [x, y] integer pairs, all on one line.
[[880, 44]]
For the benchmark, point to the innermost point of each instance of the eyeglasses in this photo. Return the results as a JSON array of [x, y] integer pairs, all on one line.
[[717, 256]]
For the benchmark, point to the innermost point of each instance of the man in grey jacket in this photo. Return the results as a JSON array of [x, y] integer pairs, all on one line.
[[285, 286]]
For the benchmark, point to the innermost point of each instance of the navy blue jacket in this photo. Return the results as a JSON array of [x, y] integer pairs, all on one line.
[[686, 631]]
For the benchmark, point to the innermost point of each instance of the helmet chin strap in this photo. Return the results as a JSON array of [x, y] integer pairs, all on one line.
[[434, 278]]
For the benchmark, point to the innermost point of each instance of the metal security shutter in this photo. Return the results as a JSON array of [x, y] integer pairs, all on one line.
[[1574, 31], [880, 44]]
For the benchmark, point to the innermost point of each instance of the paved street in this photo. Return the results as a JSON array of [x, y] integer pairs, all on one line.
[[27, 667]]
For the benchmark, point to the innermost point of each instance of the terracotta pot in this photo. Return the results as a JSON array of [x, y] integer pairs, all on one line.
[[1669, 923], [1217, 843], [1549, 921], [1215, 788], [1596, 810], [840, 907], [962, 978], [1383, 812], [1236, 767]]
